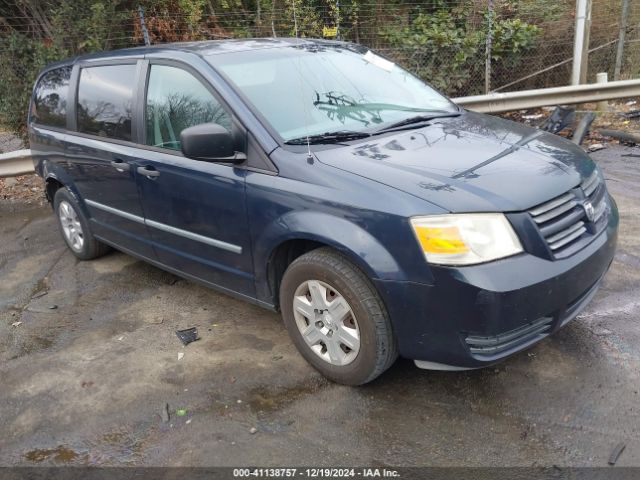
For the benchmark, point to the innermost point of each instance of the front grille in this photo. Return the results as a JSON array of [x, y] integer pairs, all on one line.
[[490, 346], [564, 222]]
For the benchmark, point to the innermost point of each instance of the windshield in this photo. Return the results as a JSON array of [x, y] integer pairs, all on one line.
[[310, 89]]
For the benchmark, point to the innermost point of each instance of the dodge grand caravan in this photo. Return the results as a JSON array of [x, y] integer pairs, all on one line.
[[321, 180]]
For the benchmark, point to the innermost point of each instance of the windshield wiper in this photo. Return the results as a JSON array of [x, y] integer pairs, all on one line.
[[413, 122], [328, 137]]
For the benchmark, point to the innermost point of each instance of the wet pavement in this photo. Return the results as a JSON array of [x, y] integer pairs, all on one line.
[[87, 373]]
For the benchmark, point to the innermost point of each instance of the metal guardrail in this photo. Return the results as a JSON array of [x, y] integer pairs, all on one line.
[[16, 163], [20, 162], [592, 92]]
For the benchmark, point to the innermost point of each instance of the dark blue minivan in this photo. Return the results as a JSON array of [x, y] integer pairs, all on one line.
[[322, 180]]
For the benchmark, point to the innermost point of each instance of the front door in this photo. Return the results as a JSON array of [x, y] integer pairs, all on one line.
[[195, 210]]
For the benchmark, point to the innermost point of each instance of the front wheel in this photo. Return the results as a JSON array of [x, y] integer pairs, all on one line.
[[336, 318]]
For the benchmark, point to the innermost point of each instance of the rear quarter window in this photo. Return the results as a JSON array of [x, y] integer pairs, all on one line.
[[105, 101], [49, 107]]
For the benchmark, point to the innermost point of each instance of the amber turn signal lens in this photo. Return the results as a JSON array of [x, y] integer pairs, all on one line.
[[441, 240]]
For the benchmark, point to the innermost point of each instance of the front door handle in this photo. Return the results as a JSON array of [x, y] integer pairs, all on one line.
[[121, 166], [147, 172]]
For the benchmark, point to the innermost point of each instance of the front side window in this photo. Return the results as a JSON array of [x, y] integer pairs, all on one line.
[[50, 99], [177, 100], [105, 101], [309, 89]]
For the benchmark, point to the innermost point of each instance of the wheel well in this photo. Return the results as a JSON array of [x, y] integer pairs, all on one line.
[[282, 257], [51, 187]]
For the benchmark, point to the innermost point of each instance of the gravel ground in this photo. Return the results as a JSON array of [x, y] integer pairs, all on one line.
[[89, 362], [26, 189], [23, 190]]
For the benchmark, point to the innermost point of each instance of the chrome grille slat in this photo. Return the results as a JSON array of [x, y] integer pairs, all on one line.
[[565, 233], [566, 240], [556, 202], [590, 184], [556, 212], [562, 223], [592, 188], [597, 193]]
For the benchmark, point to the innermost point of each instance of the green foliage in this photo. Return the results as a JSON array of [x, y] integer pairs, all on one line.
[[21, 58], [438, 48], [307, 18], [445, 49], [547, 10], [85, 26], [512, 37], [193, 11]]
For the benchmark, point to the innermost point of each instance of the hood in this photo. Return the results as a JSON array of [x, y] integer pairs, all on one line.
[[470, 163]]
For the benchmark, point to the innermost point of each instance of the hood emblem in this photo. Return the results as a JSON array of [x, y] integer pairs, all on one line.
[[589, 210]]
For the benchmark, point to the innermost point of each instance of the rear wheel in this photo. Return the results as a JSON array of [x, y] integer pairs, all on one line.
[[74, 227], [336, 318]]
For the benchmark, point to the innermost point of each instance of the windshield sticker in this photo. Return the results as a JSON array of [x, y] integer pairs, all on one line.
[[379, 62]]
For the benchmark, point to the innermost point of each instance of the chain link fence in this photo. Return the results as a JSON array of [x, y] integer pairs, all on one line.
[[444, 42]]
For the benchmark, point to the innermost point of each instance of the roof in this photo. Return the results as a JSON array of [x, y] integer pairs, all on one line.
[[206, 48]]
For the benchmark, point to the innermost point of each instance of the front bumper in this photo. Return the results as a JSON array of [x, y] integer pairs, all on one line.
[[475, 316]]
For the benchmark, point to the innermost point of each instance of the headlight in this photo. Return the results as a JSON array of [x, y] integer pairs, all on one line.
[[465, 238]]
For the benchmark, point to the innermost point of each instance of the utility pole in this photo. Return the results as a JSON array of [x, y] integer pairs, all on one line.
[[578, 40], [487, 53], [621, 35], [584, 65]]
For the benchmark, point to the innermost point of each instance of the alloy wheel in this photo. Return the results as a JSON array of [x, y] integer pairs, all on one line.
[[71, 226]]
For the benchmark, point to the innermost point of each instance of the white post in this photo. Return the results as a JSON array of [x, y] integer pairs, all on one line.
[[603, 105], [578, 41]]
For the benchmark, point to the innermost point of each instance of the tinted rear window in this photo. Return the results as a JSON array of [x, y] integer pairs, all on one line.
[[105, 101], [50, 99]]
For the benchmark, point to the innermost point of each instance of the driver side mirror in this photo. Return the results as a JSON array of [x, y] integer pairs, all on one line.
[[210, 142]]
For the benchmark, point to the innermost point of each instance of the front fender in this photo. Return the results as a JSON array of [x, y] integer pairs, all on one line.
[[345, 236]]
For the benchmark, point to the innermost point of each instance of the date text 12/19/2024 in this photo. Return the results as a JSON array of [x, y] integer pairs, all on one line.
[[315, 472]]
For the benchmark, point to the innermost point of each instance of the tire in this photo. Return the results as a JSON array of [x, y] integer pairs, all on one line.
[[74, 227], [350, 315]]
